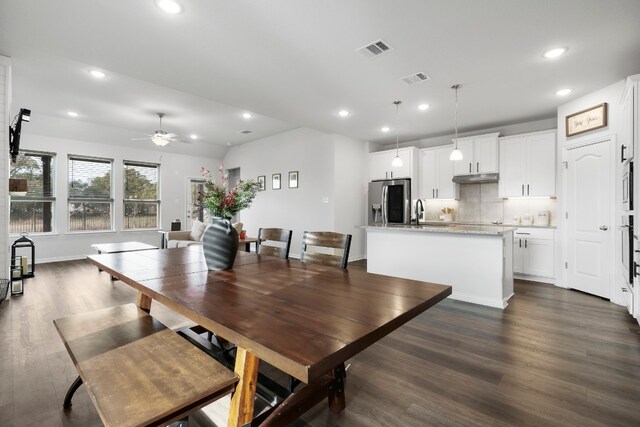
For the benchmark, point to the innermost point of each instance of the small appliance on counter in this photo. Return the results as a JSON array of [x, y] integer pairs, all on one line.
[[542, 218], [527, 219]]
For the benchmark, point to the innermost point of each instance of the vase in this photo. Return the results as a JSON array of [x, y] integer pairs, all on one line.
[[220, 244]]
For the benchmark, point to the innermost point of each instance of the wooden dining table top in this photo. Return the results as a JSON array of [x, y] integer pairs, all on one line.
[[302, 318]]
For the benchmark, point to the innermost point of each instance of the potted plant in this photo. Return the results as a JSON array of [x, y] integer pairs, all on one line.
[[220, 240]]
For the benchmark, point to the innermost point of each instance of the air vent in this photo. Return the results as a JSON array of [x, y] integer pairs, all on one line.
[[246, 132], [376, 48], [415, 78]]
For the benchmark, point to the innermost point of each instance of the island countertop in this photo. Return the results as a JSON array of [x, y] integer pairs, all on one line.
[[496, 230]]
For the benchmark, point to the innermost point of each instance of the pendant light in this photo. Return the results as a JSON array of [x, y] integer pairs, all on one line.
[[397, 161], [456, 154]]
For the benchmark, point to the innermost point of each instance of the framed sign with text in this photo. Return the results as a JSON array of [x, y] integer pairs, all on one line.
[[586, 120]]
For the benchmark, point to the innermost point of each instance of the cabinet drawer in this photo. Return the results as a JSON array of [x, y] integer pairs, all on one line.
[[534, 233]]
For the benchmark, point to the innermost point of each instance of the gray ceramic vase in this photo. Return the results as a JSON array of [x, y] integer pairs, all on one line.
[[220, 244]]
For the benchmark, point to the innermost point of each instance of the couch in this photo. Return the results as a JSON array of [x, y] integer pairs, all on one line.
[[181, 239]]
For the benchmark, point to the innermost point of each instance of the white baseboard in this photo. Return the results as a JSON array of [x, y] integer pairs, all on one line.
[[489, 302], [547, 280], [62, 258]]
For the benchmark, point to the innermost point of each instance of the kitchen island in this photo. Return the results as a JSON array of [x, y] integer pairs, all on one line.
[[475, 260]]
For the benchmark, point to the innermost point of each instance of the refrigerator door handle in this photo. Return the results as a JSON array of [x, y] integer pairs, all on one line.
[[384, 205]]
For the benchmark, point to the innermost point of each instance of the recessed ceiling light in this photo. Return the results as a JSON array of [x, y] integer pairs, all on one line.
[[193, 136], [343, 113], [564, 92], [97, 74], [385, 129], [554, 53], [247, 115], [169, 6], [423, 107], [72, 113]]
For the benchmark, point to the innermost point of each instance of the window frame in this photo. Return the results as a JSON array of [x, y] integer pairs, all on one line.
[[38, 199], [76, 199], [125, 200]]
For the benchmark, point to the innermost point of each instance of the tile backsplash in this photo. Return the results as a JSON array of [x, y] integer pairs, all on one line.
[[480, 203]]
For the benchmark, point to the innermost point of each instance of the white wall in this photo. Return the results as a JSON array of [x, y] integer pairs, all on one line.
[[174, 171], [5, 121], [611, 95], [328, 198]]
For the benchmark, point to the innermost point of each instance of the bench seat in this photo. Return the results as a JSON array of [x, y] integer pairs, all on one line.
[[137, 371]]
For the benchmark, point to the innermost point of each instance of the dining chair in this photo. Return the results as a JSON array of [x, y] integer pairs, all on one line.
[[327, 242], [274, 242]]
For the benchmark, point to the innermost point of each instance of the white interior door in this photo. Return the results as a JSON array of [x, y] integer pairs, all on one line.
[[589, 228], [194, 209]]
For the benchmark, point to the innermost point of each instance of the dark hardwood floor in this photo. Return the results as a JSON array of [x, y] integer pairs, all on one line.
[[553, 357]]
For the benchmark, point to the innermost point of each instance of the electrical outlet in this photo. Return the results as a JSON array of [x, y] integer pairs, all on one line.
[[325, 199]]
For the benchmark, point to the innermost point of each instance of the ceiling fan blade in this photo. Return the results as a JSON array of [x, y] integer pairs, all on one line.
[[139, 139], [169, 136]]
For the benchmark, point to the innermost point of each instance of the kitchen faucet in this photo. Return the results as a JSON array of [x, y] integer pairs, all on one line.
[[418, 212]]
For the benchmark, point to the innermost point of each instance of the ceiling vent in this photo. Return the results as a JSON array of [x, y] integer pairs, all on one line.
[[415, 78], [376, 48], [246, 132]]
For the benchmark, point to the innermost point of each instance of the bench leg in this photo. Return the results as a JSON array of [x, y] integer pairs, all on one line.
[[67, 398]]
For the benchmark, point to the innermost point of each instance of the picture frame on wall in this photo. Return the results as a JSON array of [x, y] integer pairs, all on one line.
[[586, 120], [293, 179], [262, 182], [275, 181]]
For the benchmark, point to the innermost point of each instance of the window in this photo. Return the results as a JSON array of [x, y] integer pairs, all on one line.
[[141, 195], [90, 197], [33, 212]]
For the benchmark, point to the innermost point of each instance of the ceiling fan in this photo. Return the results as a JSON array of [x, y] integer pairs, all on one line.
[[160, 137]]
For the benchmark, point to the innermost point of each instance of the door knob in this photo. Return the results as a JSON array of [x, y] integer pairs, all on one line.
[[604, 228]]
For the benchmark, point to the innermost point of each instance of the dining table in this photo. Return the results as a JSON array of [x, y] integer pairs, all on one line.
[[304, 319]]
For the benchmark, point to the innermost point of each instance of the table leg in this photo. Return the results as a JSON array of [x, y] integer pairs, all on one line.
[[241, 410], [144, 302], [336, 389], [247, 247]]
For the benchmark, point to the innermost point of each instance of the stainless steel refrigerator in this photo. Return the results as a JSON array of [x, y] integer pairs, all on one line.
[[390, 202]]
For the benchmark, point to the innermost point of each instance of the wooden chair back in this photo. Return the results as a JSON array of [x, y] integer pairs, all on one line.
[[326, 239], [279, 236]]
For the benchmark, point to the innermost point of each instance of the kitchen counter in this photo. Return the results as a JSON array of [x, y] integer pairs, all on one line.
[[445, 228], [477, 261], [502, 225]]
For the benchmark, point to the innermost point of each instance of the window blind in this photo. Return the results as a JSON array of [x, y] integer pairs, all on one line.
[[89, 178]]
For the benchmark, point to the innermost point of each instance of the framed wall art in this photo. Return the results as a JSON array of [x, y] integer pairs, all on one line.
[[586, 120], [293, 179], [262, 182], [275, 181]]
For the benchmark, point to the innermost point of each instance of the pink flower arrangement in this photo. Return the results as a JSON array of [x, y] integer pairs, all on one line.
[[222, 202]]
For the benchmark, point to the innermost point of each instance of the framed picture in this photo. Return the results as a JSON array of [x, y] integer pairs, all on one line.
[[275, 181], [586, 120], [293, 179], [262, 182]]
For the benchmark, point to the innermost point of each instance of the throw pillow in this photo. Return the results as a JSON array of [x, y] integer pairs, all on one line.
[[197, 230]]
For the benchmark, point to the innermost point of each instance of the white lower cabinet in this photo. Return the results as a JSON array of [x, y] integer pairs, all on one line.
[[533, 254]]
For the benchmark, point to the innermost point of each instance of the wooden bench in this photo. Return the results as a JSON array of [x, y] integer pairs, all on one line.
[[137, 371]]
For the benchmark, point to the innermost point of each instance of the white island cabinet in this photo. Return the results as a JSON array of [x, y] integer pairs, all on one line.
[[475, 260]]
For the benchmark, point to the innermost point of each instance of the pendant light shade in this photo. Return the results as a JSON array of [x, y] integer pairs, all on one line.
[[397, 161], [456, 154]]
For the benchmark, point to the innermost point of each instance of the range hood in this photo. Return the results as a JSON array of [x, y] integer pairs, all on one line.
[[477, 178]]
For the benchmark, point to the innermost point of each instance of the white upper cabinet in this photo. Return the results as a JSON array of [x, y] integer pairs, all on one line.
[[630, 105], [380, 164], [479, 155], [528, 165], [436, 174]]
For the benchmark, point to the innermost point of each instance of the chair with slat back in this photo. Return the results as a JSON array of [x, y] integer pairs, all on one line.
[[278, 242], [326, 239]]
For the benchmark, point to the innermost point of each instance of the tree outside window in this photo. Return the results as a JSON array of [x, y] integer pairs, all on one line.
[[33, 213], [90, 198], [141, 195]]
